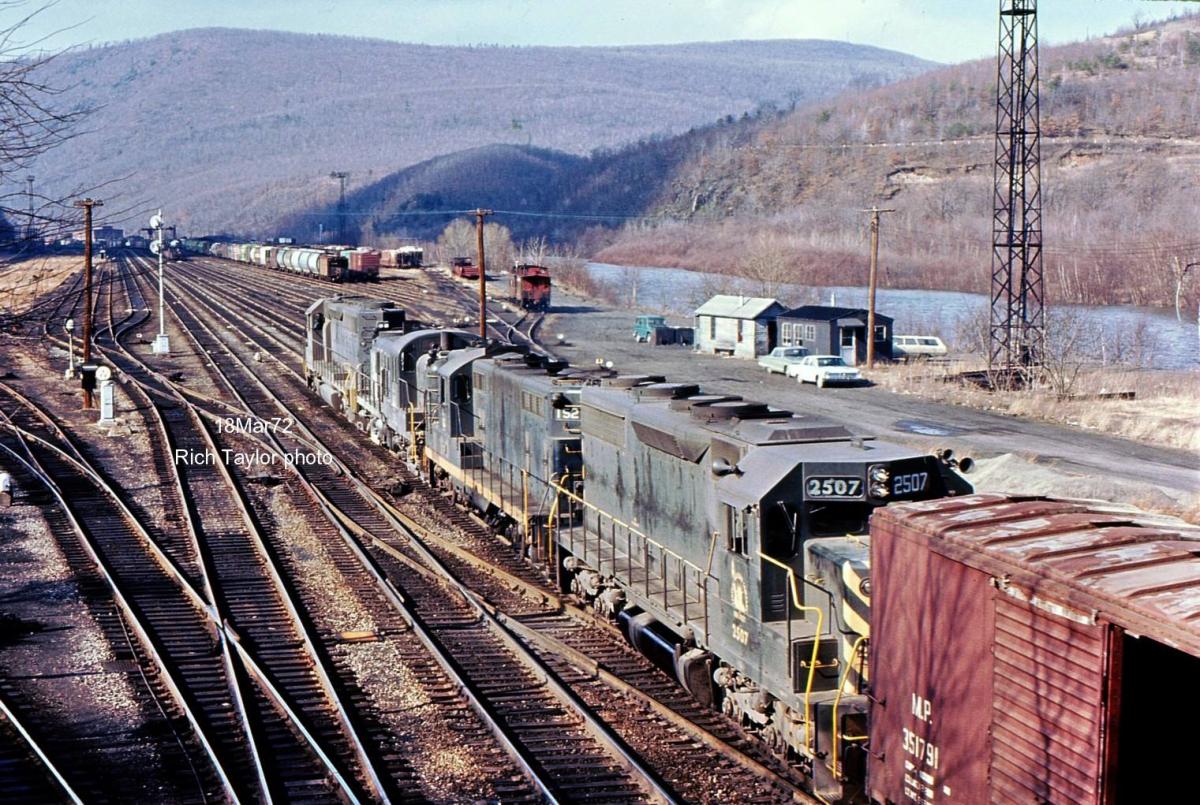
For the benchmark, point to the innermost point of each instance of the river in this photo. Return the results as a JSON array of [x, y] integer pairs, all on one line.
[[1146, 336]]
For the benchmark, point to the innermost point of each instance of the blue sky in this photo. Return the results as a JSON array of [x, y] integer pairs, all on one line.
[[943, 30]]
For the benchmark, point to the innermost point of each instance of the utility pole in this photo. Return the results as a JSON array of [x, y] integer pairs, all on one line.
[[1180, 273], [871, 282], [341, 176], [480, 214], [87, 204]]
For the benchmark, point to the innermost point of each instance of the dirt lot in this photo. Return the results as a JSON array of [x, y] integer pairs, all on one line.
[[1015, 453], [24, 281]]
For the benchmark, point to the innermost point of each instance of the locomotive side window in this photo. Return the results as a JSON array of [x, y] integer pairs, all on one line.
[[737, 530]]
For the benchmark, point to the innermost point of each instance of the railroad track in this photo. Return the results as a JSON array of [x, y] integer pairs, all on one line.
[[451, 627], [171, 625], [618, 772], [289, 691], [27, 774], [266, 611], [501, 573]]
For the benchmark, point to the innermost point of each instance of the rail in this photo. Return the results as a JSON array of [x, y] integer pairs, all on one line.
[[613, 744], [42, 756]]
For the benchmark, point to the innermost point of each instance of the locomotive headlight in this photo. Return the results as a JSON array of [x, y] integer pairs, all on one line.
[[879, 490], [880, 474]]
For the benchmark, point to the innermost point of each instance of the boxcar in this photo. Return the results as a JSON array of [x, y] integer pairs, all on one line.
[[362, 264], [1032, 650]]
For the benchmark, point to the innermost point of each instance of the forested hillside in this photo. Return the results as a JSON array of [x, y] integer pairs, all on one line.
[[1120, 157], [230, 129], [780, 194]]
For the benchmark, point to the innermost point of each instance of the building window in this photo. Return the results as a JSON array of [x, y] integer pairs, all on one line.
[[847, 338], [881, 332], [712, 327], [740, 324], [787, 334]]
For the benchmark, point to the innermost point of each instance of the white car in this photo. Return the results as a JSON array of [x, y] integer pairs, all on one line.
[[823, 370], [908, 347], [781, 358]]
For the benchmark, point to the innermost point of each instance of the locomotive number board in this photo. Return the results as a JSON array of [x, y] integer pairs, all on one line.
[[832, 486]]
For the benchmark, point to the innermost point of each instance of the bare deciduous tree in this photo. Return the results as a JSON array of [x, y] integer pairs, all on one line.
[[34, 119], [458, 240]]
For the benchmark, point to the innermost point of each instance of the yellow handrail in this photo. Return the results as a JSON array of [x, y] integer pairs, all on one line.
[[837, 700], [812, 664]]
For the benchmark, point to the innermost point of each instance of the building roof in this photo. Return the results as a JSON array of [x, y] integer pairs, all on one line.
[[730, 306], [825, 313]]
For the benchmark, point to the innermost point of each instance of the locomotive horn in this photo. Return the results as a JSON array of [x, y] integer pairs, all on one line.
[[721, 467]]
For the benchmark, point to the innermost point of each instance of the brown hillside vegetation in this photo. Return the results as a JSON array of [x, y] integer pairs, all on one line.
[[1120, 155]]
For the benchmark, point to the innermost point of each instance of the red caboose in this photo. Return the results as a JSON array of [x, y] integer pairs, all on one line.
[[529, 286]]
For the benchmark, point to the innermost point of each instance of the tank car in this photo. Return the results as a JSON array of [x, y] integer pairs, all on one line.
[[529, 286], [312, 262]]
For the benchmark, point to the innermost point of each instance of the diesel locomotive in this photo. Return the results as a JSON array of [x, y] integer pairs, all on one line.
[[725, 536]]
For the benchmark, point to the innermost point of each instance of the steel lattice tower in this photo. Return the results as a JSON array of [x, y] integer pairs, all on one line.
[[1018, 322]]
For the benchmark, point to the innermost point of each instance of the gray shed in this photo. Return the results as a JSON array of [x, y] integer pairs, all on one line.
[[742, 326], [835, 331]]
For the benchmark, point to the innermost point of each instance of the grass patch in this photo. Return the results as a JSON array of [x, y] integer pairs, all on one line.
[[1165, 411]]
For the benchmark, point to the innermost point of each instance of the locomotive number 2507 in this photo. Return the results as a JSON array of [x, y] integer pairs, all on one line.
[[910, 484], [817, 487]]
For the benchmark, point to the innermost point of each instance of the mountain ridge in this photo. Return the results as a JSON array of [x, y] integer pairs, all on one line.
[[232, 128]]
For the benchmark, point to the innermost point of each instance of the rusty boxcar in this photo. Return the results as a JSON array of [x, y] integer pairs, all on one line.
[[1032, 650]]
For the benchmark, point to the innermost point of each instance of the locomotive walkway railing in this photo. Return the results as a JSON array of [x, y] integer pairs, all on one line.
[[614, 547]]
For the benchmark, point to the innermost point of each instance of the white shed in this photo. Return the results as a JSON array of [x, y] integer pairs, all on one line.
[[742, 326]]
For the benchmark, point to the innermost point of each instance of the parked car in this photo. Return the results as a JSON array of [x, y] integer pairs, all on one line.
[[644, 327], [907, 347], [823, 370], [781, 358]]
